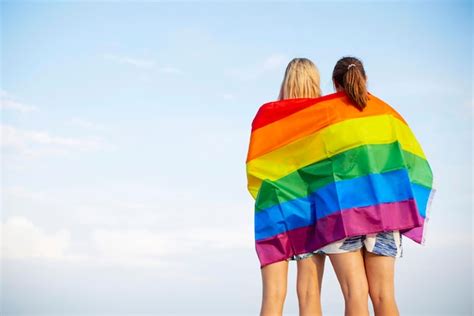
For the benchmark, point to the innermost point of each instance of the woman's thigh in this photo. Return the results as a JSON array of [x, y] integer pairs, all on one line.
[[380, 273], [350, 271], [275, 278]]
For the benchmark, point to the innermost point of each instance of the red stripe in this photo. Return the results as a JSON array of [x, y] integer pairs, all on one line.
[[401, 216], [266, 114]]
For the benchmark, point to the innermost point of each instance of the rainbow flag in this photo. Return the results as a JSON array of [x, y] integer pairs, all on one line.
[[321, 170]]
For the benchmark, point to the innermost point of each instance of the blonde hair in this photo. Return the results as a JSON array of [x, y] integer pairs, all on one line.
[[301, 80]]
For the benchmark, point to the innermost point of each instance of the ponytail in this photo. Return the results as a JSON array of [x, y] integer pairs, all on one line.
[[349, 73]]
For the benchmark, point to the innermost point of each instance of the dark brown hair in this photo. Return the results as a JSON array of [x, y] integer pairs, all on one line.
[[349, 73]]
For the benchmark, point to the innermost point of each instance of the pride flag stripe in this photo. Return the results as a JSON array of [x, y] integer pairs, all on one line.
[[309, 121], [393, 186], [334, 139], [305, 214], [277, 110], [402, 215], [356, 162]]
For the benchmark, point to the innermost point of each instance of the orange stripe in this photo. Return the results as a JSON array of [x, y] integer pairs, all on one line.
[[310, 120]]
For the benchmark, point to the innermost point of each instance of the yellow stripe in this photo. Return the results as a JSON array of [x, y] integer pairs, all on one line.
[[327, 142]]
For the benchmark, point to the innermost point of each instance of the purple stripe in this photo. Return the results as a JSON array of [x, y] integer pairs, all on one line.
[[401, 216], [416, 233]]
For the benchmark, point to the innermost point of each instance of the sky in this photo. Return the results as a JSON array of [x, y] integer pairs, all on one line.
[[125, 128]]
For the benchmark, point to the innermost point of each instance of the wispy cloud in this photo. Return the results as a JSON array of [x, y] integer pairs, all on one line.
[[137, 62], [143, 63], [145, 247], [35, 143], [131, 247], [275, 62], [8, 102], [22, 194], [21, 239], [228, 96], [271, 63], [85, 124], [119, 247], [170, 70]]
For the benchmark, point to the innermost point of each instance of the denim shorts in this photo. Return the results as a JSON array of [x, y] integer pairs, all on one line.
[[384, 243]]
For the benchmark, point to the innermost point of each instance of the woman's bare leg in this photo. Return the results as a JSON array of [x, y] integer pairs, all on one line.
[[380, 275], [274, 279], [308, 285], [350, 272]]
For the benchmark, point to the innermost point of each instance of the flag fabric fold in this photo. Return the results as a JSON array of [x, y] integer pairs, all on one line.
[[321, 170]]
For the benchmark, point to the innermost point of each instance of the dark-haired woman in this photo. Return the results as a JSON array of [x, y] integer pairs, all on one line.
[[364, 265]]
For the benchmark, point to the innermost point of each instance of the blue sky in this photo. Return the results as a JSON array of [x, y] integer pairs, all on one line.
[[125, 128]]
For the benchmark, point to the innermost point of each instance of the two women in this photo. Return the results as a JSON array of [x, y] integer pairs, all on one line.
[[330, 176]]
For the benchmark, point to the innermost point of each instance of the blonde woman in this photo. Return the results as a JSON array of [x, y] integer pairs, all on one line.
[[301, 80]]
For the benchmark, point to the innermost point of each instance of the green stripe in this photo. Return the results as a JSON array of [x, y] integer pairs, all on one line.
[[349, 164]]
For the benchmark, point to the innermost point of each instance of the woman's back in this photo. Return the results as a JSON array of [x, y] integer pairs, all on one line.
[[324, 170]]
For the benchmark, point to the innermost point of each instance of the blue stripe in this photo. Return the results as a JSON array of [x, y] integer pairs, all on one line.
[[372, 189], [422, 195]]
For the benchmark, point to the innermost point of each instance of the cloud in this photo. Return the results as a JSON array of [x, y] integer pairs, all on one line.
[[131, 247], [170, 70], [220, 238], [271, 63], [22, 194], [21, 239], [275, 62], [145, 247], [228, 96], [37, 143], [75, 121], [142, 63], [8, 102]]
